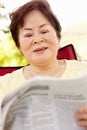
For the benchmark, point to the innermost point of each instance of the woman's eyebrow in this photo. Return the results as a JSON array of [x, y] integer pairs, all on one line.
[[30, 29], [44, 25], [27, 29]]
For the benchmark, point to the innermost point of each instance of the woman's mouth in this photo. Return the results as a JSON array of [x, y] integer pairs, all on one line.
[[41, 49]]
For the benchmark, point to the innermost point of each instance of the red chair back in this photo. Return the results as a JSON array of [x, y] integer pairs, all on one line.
[[5, 70], [67, 52]]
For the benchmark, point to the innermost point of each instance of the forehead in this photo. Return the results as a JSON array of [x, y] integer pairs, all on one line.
[[35, 16], [35, 12]]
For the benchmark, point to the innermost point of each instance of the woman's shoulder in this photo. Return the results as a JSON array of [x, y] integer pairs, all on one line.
[[12, 74], [75, 68], [76, 63], [11, 82]]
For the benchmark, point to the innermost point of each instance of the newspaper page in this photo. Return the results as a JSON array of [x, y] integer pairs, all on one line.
[[44, 103]]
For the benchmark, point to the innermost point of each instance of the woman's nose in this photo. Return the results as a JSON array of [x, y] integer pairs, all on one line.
[[38, 40]]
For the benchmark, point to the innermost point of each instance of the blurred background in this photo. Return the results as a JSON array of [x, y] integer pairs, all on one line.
[[72, 15]]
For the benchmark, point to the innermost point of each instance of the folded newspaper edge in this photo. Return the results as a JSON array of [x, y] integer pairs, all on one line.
[[45, 80]]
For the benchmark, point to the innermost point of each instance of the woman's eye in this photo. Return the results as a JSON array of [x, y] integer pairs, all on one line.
[[28, 35], [45, 31]]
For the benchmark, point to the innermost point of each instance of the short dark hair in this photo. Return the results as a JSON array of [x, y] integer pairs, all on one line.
[[17, 17]]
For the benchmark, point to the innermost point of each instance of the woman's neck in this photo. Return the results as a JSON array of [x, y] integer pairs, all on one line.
[[55, 69]]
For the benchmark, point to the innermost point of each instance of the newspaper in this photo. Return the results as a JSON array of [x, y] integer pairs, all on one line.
[[44, 103]]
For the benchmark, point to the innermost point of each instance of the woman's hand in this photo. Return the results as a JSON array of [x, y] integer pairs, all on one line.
[[81, 117]]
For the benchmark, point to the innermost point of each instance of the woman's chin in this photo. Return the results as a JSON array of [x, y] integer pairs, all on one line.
[[41, 60]]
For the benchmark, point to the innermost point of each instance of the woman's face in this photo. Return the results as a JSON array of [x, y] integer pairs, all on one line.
[[38, 39]]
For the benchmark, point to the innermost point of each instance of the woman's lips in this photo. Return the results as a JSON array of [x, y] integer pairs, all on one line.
[[40, 49]]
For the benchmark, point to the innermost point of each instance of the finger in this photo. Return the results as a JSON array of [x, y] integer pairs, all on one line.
[[81, 116], [82, 123], [85, 128]]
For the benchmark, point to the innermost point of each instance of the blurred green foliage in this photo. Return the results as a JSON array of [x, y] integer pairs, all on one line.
[[9, 53]]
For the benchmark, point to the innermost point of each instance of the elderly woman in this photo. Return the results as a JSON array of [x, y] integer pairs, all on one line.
[[37, 34]]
